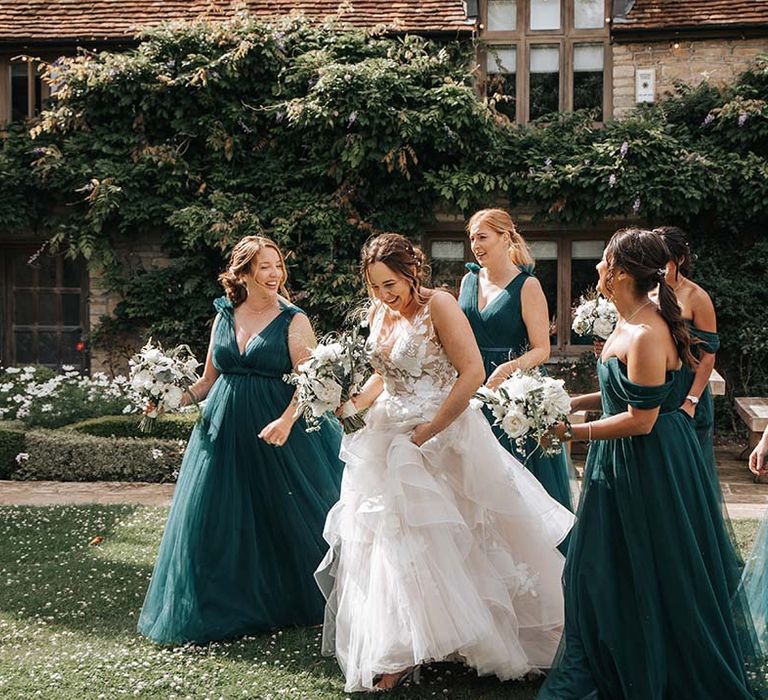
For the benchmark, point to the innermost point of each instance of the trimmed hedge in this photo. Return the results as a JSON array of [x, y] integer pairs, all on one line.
[[169, 427], [11, 444], [61, 455]]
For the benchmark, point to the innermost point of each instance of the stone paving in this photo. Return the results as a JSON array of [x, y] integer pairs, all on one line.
[[744, 498]]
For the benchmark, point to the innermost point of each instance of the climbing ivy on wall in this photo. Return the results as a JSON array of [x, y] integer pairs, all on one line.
[[318, 136]]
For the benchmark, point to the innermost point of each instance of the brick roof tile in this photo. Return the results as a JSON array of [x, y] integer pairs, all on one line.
[[692, 14], [71, 20]]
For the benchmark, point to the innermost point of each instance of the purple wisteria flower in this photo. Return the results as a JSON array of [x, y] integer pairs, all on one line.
[[612, 179], [623, 150], [742, 119], [636, 205], [548, 164], [708, 119], [352, 119]]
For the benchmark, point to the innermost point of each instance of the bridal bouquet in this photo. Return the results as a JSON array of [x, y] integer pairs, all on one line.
[[332, 373], [161, 377], [527, 405], [594, 315]]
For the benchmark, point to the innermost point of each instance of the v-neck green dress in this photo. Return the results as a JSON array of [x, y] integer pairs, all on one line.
[[500, 332], [651, 579], [245, 531]]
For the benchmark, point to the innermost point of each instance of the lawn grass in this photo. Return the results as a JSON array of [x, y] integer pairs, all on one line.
[[68, 613], [68, 616]]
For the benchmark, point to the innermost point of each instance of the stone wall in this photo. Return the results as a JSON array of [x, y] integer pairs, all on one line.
[[142, 253], [716, 60]]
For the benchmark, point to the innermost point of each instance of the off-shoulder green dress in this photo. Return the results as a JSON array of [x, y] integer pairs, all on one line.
[[651, 577]]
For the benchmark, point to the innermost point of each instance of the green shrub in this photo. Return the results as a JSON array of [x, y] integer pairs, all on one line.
[[171, 427], [12, 444], [60, 455]]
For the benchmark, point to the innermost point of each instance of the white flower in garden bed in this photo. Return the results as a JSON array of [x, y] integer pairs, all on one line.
[[161, 378], [331, 374], [594, 315], [527, 405]]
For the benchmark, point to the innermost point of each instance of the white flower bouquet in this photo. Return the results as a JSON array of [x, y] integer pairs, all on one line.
[[527, 405], [162, 377], [594, 315], [332, 373]]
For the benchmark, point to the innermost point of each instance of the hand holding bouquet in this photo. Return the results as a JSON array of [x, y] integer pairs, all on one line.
[[162, 378], [527, 405], [594, 315], [332, 373]]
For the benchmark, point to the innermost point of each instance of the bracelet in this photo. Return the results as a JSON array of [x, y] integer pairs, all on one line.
[[568, 432], [589, 431]]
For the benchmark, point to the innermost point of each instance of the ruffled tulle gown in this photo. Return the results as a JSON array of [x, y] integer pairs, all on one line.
[[502, 336], [440, 550], [650, 583], [244, 534]]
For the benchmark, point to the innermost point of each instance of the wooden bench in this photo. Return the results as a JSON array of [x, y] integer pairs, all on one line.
[[716, 383], [754, 412]]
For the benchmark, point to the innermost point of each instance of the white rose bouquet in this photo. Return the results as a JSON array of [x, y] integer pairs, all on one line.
[[332, 373], [594, 315], [527, 405], [162, 378]]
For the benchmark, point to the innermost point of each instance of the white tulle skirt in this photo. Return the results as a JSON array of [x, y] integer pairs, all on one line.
[[440, 551]]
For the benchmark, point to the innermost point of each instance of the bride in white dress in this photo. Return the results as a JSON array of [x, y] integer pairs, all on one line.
[[442, 544]]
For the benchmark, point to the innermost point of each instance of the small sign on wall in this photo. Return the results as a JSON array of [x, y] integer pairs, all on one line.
[[645, 85]]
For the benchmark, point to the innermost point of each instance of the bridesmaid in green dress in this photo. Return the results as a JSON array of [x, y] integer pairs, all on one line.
[[651, 576], [699, 313], [507, 310], [245, 531]]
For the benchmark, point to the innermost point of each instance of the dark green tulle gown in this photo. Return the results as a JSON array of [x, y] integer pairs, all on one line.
[[704, 417], [501, 334], [245, 531], [651, 576]]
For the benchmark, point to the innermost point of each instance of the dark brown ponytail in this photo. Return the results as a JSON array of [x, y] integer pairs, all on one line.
[[675, 239], [643, 255]]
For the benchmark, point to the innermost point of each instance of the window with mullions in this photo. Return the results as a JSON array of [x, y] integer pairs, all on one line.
[[501, 66], [447, 256], [45, 310], [588, 78], [544, 81], [26, 91], [584, 258], [556, 56]]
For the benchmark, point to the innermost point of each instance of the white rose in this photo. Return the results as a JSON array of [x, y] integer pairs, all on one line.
[[327, 391], [514, 425], [172, 398], [602, 328], [331, 352], [581, 325]]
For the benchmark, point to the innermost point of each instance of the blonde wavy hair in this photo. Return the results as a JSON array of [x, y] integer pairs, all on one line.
[[500, 222], [240, 265]]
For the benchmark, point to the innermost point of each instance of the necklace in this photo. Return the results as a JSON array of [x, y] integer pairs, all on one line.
[[259, 312], [635, 312]]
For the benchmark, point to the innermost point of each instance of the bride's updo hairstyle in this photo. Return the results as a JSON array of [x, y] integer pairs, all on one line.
[[241, 260], [500, 222], [679, 250], [399, 255], [643, 255]]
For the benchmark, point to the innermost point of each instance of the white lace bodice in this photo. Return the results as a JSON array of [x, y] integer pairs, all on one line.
[[409, 357]]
